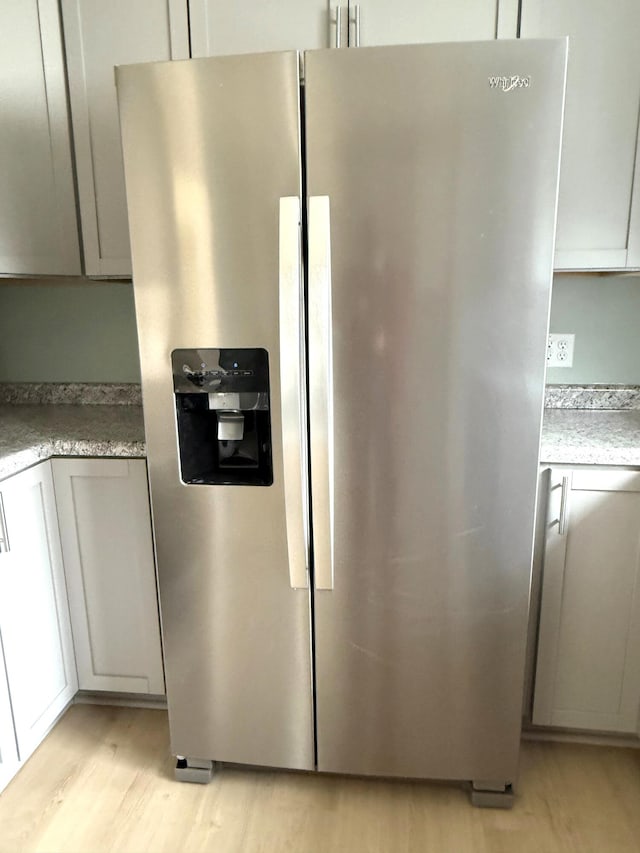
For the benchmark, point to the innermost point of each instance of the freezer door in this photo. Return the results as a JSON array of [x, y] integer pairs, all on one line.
[[213, 178], [432, 181]]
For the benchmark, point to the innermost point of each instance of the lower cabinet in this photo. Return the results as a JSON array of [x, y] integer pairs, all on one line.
[[34, 617], [588, 663], [9, 762], [105, 529], [90, 622]]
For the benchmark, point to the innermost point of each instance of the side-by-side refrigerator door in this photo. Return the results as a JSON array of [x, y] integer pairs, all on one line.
[[212, 156], [432, 176]]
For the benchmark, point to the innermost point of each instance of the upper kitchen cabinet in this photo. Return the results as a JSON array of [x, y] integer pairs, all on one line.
[[378, 22], [599, 208], [98, 36], [219, 27], [38, 225]]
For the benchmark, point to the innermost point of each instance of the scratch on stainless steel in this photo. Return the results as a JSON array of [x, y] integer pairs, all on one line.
[[443, 196], [203, 213]]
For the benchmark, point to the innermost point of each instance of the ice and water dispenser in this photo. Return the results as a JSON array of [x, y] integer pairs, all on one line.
[[223, 416]]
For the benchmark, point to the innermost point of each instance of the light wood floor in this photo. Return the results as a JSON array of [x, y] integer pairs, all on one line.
[[102, 781]]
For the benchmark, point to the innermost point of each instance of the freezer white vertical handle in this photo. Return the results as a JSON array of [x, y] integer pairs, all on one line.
[[292, 397], [321, 390]]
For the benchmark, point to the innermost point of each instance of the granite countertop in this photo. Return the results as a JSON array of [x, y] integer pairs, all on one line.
[[37, 422], [30, 433], [591, 437]]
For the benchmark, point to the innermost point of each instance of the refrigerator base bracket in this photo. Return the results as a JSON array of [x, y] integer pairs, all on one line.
[[487, 795], [197, 770]]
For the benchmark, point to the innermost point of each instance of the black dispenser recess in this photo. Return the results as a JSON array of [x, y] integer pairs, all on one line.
[[223, 416]]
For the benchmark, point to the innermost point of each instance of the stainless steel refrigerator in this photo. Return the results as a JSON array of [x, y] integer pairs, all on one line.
[[344, 541]]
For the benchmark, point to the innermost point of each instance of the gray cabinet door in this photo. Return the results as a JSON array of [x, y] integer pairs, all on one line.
[[105, 528], [99, 35], [378, 22], [599, 206], [8, 749], [218, 27], [34, 614], [588, 669], [38, 226]]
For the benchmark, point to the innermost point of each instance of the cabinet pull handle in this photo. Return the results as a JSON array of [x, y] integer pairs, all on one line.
[[338, 26], [4, 536], [356, 24], [564, 507]]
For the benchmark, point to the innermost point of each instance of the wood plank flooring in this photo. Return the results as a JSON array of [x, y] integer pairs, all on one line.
[[102, 781]]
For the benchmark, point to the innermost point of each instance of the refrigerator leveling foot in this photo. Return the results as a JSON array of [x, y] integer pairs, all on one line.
[[198, 770], [489, 795]]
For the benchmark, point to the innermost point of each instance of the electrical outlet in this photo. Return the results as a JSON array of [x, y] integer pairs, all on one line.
[[560, 350]]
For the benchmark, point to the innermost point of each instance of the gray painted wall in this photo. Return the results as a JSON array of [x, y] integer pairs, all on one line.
[[71, 330], [603, 311], [76, 330]]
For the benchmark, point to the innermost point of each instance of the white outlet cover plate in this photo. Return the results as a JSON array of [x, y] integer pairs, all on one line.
[[560, 349]]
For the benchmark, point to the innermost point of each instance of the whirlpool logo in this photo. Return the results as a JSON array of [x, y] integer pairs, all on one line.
[[508, 84]]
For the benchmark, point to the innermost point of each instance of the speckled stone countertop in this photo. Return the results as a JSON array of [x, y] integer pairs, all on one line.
[[591, 437], [30, 433], [40, 421]]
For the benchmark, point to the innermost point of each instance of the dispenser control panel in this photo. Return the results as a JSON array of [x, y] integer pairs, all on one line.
[[223, 416]]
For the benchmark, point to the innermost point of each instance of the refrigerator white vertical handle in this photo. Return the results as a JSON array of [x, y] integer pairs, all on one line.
[[292, 392], [321, 390]]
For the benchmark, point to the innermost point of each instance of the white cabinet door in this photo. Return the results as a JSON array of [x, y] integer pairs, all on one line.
[[34, 615], [98, 36], [377, 22], [105, 527], [588, 669], [220, 27], [599, 205], [38, 225], [8, 747]]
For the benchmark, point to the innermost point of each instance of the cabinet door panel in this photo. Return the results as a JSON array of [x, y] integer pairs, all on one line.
[[588, 673], [99, 36], [601, 127], [8, 748], [38, 226], [105, 526], [416, 21], [34, 615], [220, 28]]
